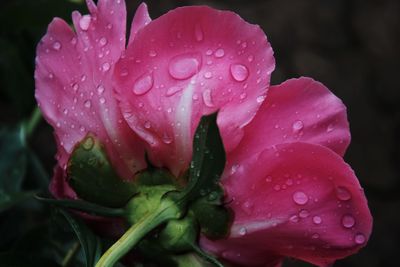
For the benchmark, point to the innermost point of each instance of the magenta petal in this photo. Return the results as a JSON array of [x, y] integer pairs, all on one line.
[[298, 110], [141, 19], [182, 66], [299, 200], [73, 83]]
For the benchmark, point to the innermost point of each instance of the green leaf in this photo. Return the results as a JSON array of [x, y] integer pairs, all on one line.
[[94, 179], [208, 160], [85, 206], [90, 243], [215, 220], [13, 160], [11, 199]]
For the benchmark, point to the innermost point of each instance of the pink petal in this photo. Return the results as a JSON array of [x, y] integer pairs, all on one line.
[[141, 19], [182, 66], [299, 200], [297, 110], [73, 83]]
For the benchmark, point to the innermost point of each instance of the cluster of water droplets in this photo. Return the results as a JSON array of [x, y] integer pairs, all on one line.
[[302, 201]]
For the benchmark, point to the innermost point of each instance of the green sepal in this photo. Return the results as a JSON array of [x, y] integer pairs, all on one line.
[[208, 160], [93, 178], [215, 220]]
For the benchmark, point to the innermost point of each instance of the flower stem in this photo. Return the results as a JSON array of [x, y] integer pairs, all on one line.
[[33, 122], [206, 256], [136, 232]]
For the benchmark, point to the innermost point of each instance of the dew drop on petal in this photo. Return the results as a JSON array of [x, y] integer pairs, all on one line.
[[297, 126], [342, 193], [183, 67], [300, 198], [359, 239], [208, 75], [143, 84], [317, 220], [152, 53], [88, 143], [57, 46], [166, 139], [304, 214], [84, 22], [87, 103], [348, 221], [242, 231], [198, 33], [102, 100], [219, 53], [173, 90], [207, 98], [100, 89], [106, 66], [294, 219], [239, 72], [103, 41]]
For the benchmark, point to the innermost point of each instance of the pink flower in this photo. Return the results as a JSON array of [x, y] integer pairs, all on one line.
[[291, 192]]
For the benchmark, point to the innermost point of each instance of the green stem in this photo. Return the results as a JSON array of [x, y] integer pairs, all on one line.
[[70, 254], [33, 122], [136, 232], [206, 256]]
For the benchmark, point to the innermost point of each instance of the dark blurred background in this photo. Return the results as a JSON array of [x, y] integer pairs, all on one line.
[[349, 45]]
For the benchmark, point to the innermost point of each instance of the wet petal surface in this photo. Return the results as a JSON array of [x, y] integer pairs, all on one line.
[[180, 67]]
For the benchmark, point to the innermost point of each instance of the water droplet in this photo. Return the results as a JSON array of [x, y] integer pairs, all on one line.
[[300, 198], [207, 98], [348, 221], [100, 89], [82, 129], [58, 124], [102, 100], [250, 58], [315, 236], [330, 128], [152, 53], [84, 22], [242, 231], [65, 111], [297, 126], [304, 214], [103, 41], [57, 46], [143, 84], [268, 179], [359, 239], [74, 41], [208, 74], [294, 219], [239, 72], [166, 139], [260, 99], [183, 67], [198, 32], [87, 103], [243, 96], [88, 143], [219, 53], [106, 66], [147, 125], [342, 193], [75, 87], [317, 220], [173, 90]]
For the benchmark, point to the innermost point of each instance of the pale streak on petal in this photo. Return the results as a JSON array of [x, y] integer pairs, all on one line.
[[182, 126]]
